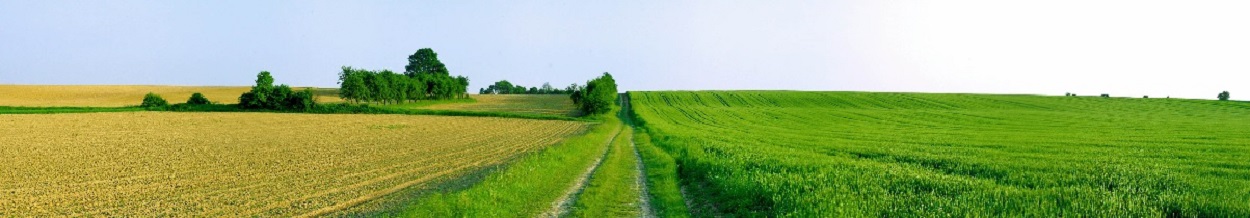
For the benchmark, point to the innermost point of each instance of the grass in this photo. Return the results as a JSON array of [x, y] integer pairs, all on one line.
[[838, 154], [124, 95], [663, 184], [526, 187], [611, 191], [242, 164]]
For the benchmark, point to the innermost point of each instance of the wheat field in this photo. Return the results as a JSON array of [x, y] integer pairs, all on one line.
[[122, 95], [159, 164]]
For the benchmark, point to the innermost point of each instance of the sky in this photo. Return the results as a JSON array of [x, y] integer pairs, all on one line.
[[1185, 49]]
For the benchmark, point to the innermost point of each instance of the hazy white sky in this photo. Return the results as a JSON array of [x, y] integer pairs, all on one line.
[[1191, 49]]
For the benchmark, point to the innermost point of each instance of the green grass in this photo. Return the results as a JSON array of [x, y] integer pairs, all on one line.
[[612, 190], [526, 187], [662, 182], [58, 110], [839, 154]]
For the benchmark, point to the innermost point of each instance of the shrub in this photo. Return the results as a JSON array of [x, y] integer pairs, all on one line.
[[1223, 96], [198, 99], [266, 96], [152, 100]]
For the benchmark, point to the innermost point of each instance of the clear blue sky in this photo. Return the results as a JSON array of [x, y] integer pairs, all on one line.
[[1127, 48]]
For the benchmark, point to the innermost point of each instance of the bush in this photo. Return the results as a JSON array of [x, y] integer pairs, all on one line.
[[198, 99], [152, 101], [1223, 96], [266, 96], [1106, 95]]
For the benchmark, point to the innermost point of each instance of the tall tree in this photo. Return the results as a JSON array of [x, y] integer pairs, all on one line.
[[425, 61]]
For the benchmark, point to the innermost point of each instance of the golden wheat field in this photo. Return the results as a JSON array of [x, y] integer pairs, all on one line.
[[160, 164], [123, 95], [519, 103]]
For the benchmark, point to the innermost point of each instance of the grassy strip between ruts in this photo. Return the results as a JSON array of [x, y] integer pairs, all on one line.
[[524, 188], [612, 191], [663, 184]]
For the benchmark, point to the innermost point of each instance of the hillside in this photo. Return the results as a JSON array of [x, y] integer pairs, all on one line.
[[834, 154]]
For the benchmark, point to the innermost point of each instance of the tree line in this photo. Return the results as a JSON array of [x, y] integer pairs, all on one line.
[[505, 87], [425, 77]]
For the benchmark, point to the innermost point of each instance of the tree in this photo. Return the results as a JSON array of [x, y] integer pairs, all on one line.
[[1223, 96], [425, 61], [533, 90], [547, 89], [198, 99], [266, 96], [260, 96], [381, 87], [153, 101], [598, 95], [502, 87]]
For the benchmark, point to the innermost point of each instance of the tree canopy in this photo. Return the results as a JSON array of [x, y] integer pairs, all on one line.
[[598, 96], [266, 96]]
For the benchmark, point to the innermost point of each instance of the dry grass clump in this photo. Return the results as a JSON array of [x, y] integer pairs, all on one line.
[[241, 164], [122, 95]]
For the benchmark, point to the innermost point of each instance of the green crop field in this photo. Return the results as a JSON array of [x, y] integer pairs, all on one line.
[[839, 154]]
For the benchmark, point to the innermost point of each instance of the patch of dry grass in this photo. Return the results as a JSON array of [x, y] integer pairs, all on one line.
[[241, 164], [122, 95]]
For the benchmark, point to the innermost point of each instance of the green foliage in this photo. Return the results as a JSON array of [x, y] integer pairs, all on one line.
[[425, 61], [598, 96], [1223, 96], [1105, 95], [153, 101], [853, 154], [268, 97], [198, 99], [504, 87], [438, 82]]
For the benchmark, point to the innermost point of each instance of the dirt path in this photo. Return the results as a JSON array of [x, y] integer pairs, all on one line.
[[560, 207], [644, 197]]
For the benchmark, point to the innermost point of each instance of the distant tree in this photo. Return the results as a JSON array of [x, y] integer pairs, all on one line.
[[481, 91], [1145, 96], [462, 86], [1223, 96], [598, 95], [533, 90], [547, 89], [260, 93], [425, 61], [266, 96], [1106, 95], [382, 87], [153, 101], [198, 99]]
